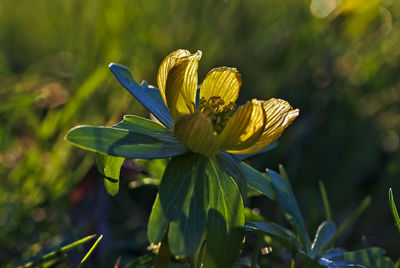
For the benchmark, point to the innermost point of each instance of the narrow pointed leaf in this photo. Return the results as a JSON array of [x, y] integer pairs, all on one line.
[[257, 180], [56, 254], [275, 231], [394, 210], [149, 96], [288, 203], [225, 216], [325, 200], [110, 167], [327, 263], [323, 235], [334, 252], [122, 142], [91, 249]]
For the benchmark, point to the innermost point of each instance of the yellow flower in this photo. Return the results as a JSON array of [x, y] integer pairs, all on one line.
[[212, 123]]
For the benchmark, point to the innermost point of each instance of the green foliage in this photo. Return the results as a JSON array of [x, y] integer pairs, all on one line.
[[321, 251], [340, 67], [196, 195]]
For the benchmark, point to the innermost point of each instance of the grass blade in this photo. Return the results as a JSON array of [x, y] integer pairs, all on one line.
[[57, 253], [349, 221], [394, 210], [325, 200], [91, 249]]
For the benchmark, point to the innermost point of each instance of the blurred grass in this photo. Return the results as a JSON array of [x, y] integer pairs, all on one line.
[[337, 63]]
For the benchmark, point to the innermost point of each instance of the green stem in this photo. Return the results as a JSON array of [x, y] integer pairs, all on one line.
[[325, 200], [292, 263], [349, 221], [164, 254], [257, 248]]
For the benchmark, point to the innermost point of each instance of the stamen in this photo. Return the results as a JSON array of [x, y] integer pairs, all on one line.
[[215, 109]]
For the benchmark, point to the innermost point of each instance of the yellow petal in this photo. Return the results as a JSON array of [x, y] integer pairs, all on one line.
[[224, 82], [279, 115], [166, 65], [177, 79], [244, 128], [196, 132]]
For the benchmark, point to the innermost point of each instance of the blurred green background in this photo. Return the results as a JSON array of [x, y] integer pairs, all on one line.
[[337, 61]]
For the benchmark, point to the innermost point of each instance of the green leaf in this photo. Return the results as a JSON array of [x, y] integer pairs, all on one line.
[[91, 249], [145, 126], [158, 223], [193, 190], [149, 96], [232, 167], [257, 180], [183, 197], [287, 201], [225, 215], [110, 167], [123, 142], [394, 210], [323, 235], [370, 257], [275, 231]]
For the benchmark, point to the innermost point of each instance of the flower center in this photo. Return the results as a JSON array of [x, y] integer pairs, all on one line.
[[215, 109]]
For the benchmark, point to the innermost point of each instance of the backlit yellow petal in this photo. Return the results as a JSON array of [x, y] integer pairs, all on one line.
[[245, 127], [166, 65], [196, 132], [279, 115], [223, 82], [181, 86]]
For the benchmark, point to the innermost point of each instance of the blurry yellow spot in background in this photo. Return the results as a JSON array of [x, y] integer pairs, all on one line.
[[322, 8]]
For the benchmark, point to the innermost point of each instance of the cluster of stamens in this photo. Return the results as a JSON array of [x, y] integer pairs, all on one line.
[[215, 109]]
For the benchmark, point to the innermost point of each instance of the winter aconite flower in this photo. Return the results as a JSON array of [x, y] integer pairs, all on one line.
[[211, 123], [199, 208]]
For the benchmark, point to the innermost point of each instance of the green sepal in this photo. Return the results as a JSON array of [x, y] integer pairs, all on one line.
[[110, 168]]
